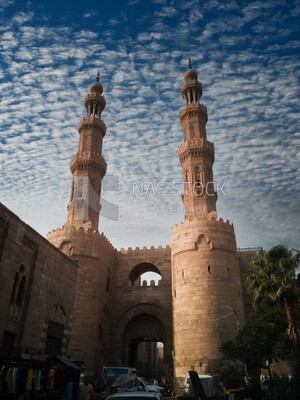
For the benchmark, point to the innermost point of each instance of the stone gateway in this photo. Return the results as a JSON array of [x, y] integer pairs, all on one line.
[[76, 295]]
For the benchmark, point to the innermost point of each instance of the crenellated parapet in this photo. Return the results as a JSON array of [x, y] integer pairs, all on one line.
[[208, 218], [217, 233], [84, 241], [134, 262], [71, 229], [144, 249]]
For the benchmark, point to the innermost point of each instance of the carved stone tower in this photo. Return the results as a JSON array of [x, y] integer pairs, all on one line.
[[196, 154], [80, 239], [88, 167], [205, 274]]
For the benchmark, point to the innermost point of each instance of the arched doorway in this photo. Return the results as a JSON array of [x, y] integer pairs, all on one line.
[[144, 337], [143, 272]]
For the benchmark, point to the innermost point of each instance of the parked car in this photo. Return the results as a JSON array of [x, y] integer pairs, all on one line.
[[141, 395]]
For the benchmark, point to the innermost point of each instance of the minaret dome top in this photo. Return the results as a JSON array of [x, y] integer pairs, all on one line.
[[191, 74], [96, 87]]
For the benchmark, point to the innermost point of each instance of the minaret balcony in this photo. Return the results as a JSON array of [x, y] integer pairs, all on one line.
[[92, 122], [198, 147], [80, 162], [191, 110], [95, 98], [191, 85]]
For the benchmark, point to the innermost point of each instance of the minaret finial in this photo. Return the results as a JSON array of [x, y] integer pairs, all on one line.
[[98, 75], [190, 64]]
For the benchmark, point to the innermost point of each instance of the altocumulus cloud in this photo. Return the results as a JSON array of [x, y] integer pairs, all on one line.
[[246, 58]]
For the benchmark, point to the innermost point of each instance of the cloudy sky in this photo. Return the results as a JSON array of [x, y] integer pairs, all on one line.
[[246, 53]]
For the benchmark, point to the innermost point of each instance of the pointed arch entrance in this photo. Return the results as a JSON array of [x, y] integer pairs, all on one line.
[[141, 337], [143, 332]]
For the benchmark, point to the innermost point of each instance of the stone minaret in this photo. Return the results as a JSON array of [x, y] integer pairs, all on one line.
[[88, 167], [80, 239], [206, 286], [196, 154]]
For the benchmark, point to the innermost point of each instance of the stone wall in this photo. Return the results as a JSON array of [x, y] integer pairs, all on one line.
[[206, 288], [96, 259], [38, 285], [96, 293], [138, 310]]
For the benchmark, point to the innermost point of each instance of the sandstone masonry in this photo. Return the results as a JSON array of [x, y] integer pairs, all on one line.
[[75, 294]]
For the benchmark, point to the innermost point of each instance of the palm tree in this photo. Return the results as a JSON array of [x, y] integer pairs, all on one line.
[[274, 281]]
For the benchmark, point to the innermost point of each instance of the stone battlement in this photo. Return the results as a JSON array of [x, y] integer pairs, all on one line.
[[213, 231], [138, 249], [70, 230], [210, 220]]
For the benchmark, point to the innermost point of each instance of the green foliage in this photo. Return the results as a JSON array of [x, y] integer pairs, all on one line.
[[256, 342], [262, 339], [274, 276], [274, 330]]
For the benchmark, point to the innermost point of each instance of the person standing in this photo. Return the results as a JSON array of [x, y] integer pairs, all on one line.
[[86, 390]]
